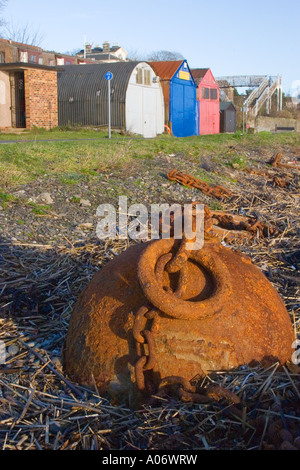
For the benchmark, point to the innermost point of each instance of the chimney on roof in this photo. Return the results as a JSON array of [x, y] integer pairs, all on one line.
[[106, 46], [87, 49]]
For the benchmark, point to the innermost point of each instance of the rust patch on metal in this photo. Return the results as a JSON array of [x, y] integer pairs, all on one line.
[[224, 225], [137, 323], [275, 159], [218, 192], [251, 226], [281, 182], [275, 162]]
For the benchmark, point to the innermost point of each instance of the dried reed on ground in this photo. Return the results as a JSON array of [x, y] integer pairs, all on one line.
[[42, 409]]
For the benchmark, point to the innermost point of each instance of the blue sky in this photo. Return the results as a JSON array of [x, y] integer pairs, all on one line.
[[232, 38]]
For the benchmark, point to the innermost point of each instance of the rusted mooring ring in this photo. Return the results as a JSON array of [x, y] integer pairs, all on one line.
[[174, 306]]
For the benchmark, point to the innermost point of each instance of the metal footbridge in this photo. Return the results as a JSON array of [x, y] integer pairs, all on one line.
[[264, 87]]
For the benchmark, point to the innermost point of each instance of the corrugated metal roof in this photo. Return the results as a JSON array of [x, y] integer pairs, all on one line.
[[198, 74], [166, 69], [82, 93], [90, 78]]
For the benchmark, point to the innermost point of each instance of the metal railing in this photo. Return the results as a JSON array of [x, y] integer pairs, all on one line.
[[266, 94], [257, 92], [240, 81]]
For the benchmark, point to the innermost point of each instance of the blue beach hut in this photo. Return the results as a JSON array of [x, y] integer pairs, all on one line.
[[179, 90]]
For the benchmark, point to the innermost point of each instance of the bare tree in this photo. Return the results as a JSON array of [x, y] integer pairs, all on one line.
[[2, 21], [156, 56], [135, 54], [26, 34], [73, 51], [159, 56]]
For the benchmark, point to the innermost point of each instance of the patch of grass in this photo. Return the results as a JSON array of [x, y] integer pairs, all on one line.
[[64, 132], [71, 178], [229, 179], [73, 160], [215, 206], [145, 156], [39, 209], [6, 198], [204, 176], [75, 200], [89, 172], [239, 161], [138, 182], [35, 131]]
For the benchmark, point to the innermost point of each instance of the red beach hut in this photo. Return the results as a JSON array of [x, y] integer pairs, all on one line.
[[208, 97]]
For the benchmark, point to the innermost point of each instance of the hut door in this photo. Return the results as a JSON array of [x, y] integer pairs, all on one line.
[[183, 110], [20, 99], [149, 112], [230, 121], [215, 124], [178, 108], [205, 118], [189, 116]]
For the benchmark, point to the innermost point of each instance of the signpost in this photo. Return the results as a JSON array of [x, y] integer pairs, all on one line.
[[108, 77]]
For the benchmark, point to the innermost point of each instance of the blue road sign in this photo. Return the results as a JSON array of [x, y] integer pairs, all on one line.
[[108, 76]]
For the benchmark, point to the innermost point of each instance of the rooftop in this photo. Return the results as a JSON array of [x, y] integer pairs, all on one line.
[[20, 44], [225, 105], [198, 74], [166, 69]]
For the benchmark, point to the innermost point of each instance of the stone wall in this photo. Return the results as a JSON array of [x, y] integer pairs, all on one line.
[[265, 123]]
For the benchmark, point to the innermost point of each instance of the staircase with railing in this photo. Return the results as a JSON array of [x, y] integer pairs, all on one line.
[[254, 95], [263, 94], [264, 88]]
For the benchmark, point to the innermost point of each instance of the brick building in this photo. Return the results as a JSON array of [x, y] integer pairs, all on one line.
[[28, 96], [28, 84], [12, 52]]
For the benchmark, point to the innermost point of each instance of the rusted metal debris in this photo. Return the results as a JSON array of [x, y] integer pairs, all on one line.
[[275, 159], [229, 227], [281, 182], [232, 226], [253, 171], [156, 316], [185, 391], [218, 192], [275, 162]]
